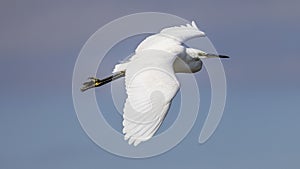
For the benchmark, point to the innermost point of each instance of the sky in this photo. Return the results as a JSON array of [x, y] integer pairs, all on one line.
[[40, 42]]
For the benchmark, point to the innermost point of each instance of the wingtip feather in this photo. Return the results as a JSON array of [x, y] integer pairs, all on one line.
[[194, 24]]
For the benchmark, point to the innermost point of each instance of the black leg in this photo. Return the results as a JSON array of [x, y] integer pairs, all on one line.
[[99, 82]]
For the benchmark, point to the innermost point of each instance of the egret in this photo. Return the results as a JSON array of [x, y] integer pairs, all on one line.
[[150, 79]]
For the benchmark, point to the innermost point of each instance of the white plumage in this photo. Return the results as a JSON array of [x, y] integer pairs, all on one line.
[[150, 78]]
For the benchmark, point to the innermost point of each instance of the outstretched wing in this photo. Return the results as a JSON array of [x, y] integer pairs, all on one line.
[[183, 33], [168, 39], [150, 85]]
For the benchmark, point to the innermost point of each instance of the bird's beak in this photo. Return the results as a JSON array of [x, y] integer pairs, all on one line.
[[216, 56], [223, 56]]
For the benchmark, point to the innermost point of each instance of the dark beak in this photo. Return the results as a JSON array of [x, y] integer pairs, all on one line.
[[223, 56]]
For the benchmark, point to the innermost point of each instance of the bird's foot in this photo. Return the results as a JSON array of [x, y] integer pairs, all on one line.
[[94, 82]]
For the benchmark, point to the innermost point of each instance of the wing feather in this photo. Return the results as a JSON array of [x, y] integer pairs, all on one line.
[[183, 33], [150, 87]]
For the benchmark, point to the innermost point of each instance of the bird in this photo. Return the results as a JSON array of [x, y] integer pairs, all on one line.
[[150, 78]]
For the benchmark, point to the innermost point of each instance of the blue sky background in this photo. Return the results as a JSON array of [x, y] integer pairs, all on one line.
[[39, 44]]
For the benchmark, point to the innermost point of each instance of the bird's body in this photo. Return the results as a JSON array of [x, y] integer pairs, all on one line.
[[150, 78]]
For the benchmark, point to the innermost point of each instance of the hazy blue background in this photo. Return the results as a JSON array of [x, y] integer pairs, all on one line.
[[39, 44]]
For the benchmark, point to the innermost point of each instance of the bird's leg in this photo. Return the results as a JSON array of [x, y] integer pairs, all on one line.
[[94, 82]]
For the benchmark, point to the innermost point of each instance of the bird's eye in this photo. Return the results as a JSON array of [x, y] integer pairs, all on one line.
[[200, 54]]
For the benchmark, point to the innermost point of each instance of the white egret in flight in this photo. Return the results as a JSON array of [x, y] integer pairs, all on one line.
[[150, 78]]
